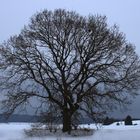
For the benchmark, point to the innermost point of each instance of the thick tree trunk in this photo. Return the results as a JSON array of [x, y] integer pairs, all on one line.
[[67, 120]]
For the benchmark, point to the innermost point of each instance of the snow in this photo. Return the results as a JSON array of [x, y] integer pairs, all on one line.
[[15, 131]]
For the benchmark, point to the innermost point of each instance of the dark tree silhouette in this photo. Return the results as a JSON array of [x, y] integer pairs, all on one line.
[[77, 63], [128, 120]]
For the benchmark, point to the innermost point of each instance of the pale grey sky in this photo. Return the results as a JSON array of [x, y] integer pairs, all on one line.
[[14, 14]]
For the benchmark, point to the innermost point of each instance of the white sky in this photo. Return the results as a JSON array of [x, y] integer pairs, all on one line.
[[14, 14]]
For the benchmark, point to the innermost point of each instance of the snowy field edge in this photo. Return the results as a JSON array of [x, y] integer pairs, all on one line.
[[15, 131]]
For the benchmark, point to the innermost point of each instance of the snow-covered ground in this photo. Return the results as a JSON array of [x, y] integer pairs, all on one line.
[[15, 131]]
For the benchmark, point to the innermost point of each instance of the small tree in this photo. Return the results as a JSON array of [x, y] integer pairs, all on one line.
[[108, 121], [50, 117], [77, 63], [128, 120]]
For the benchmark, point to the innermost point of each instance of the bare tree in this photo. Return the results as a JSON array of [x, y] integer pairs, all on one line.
[[77, 63]]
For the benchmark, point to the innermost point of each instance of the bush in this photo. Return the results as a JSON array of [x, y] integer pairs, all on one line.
[[108, 121], [41, 131], [128, 120], [117, 123]]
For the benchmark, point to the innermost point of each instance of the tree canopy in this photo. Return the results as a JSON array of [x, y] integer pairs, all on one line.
[[78, 64]]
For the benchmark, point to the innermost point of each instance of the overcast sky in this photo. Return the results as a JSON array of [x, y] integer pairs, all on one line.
[[14, 14]]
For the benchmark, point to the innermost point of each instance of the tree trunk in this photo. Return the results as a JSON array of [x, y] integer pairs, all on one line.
[[67, 120]]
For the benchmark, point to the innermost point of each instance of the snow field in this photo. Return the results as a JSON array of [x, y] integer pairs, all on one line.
[[15, 131]]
